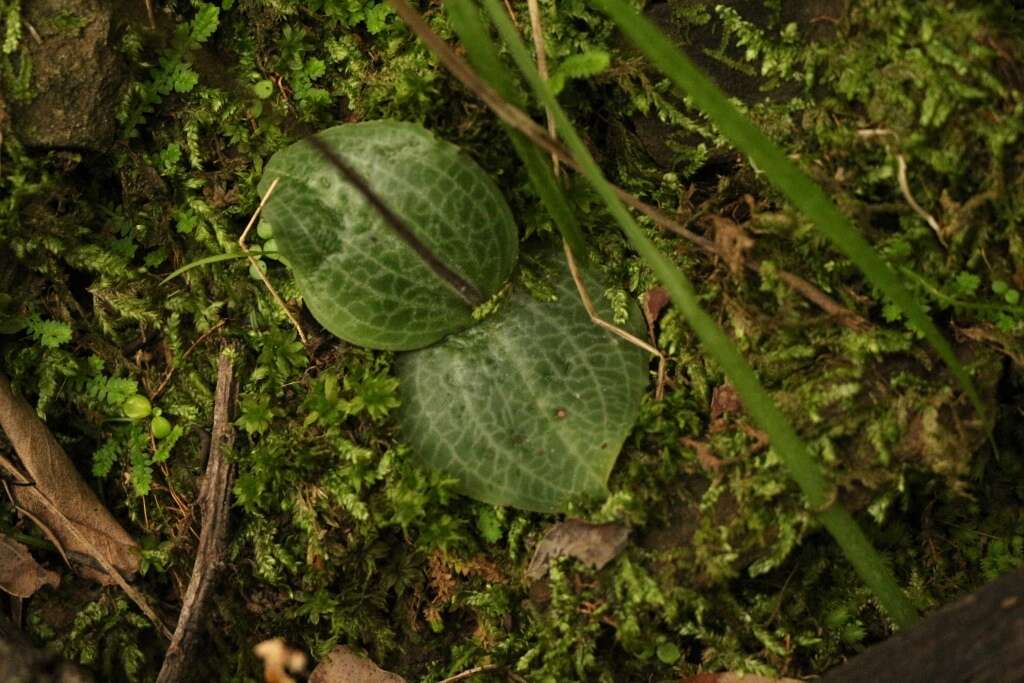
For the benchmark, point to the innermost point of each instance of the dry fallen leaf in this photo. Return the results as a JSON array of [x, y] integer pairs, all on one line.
[[343, 665], [592, 544], [280, 660], [655, 301], [732, 242], [730, 677], [20, 574], [56, 482]]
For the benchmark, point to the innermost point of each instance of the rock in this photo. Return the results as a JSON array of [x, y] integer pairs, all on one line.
[[77, 76]]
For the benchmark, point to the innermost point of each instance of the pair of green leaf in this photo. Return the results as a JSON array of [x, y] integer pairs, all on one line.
[[529, 407]]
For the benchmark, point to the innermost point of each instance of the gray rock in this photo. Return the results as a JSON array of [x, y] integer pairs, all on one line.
[[77, 76]]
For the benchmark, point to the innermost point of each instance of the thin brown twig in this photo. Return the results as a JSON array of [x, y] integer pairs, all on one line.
[[170, 371], [595, 318], [255, 264], [150, 14], [209, 562], [537, 30], [469, 673], [542, 68], [522, 122], [33, 32], [901, 178], [465, 289], [511, 12]]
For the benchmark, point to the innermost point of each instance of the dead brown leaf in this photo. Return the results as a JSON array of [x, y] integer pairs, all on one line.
[[20, 574], [730, 677], [708, 460], [280, 660], [54, 481], [731, 241], [725, 399], [343, 665], [655, 301], [592, 544]]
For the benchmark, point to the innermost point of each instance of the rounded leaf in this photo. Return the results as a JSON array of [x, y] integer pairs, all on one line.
[[359, 280], [160, 426], [136, 407], [530, 408]]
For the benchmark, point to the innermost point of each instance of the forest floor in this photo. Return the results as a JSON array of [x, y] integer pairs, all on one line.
[[133, 143]]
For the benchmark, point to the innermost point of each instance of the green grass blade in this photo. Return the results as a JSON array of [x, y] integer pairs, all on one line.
[[206, 260], [465, 19], [803, 469], [798, 188]]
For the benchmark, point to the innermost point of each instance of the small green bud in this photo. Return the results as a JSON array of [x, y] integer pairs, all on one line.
[[668, 653], [160, 426], [136, 407]]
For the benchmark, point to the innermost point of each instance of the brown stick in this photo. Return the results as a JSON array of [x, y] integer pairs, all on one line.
[[213, 500], [522, 122], [466, 290], [255, 264]]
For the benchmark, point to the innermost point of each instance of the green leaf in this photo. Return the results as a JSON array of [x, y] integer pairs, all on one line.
[[49, 333], [205, 22], [529, 408], [256, 415], [583, 65], [263, 89], [668, 653], [184, 78], [357, 277], [104, 458], [141, 472]]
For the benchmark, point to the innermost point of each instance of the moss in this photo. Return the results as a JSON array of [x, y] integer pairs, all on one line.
[[340, 537]]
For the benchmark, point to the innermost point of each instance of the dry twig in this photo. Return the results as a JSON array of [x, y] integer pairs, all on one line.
[[255, 264], [588, 305], [469, 673], [213, 500], [901, 177], [170, 371], [150, 14], [542, 68], [465, 289]]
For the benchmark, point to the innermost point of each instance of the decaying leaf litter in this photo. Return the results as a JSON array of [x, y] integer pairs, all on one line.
[[736, 505]]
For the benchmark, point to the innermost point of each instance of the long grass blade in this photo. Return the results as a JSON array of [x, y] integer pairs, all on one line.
[[798, 188], [803, 469], [206, 260], [472, 31]]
